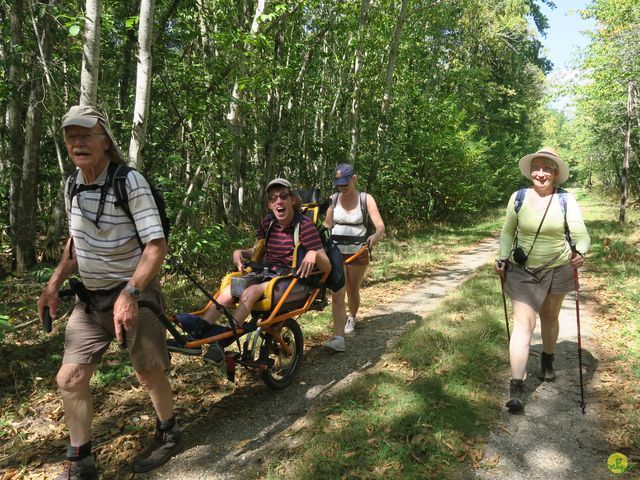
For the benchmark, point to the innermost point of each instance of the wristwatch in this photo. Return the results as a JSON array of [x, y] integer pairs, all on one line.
[[133, 291]]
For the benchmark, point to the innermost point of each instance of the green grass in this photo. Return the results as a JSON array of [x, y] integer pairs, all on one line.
[[422, 411], [614, 267]]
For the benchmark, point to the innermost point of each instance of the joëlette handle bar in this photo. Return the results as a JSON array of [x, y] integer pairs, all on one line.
[[365, 248], [47, 321]]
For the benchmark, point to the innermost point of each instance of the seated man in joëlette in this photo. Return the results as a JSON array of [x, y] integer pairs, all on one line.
[[284, 206]]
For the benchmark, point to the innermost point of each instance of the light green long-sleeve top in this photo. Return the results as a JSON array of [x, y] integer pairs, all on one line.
[[551, 241]]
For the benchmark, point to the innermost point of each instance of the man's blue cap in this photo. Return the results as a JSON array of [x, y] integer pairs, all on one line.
[[343, 174]]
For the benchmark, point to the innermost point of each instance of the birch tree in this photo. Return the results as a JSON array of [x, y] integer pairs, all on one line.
[[385, 103], [624, 173], [143, 83], [91, 53]]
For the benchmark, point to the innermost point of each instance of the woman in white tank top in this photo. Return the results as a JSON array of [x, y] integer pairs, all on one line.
[[346, 219]]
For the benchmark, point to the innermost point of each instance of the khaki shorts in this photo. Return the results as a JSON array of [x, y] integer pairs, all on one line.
[[88, 335], [361, 260], [532, 288]]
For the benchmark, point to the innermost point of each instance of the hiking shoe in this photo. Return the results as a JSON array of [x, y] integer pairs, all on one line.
[[84, 469], [336, 344], [546, 367], [515, 396], [198, 327], [215, 354], [350, 327], [165, 445]]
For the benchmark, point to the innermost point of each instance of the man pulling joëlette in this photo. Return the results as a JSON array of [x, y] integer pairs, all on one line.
[[117, 270]]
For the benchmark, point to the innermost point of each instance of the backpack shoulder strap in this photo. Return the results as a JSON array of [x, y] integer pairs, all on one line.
[[562, 197], [297, 218], [268, 231], [119, 180], [334, 200], [72, 186], [517, 204], [296, 234], [363, 207]]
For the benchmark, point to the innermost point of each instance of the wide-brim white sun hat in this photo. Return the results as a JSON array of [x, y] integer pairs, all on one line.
[[545, 152]]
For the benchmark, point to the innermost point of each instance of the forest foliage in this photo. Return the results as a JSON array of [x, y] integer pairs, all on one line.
[[432, 101], [607, 103]]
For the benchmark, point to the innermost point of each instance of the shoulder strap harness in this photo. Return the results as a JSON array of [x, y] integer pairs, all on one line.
[[562, 197]]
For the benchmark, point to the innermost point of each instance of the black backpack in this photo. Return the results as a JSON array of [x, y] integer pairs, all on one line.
[[117, 176], [335, 280]]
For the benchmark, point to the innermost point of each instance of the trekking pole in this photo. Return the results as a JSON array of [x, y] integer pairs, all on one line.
[[577, 285], [504, 303]]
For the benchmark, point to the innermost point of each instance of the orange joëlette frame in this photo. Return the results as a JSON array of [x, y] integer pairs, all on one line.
[[360, 252], [273, 317]]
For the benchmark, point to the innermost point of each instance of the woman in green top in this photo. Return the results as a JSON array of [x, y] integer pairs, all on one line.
[[538, 272]]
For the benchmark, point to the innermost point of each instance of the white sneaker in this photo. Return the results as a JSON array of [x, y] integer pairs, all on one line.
[[350, 327], [336, 344]]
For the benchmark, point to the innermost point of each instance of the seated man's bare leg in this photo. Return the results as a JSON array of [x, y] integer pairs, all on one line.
[[225, 299], [248, 299]]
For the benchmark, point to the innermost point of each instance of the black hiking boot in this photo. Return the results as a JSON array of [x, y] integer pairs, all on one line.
[[546, 367], [84, 469], [165, 445], [515, 396]]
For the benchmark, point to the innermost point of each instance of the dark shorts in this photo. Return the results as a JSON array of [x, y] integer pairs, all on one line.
[[361, 260], [88, 335], [532, 288]]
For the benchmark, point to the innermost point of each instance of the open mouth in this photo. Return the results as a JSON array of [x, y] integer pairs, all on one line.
[[281, 210]]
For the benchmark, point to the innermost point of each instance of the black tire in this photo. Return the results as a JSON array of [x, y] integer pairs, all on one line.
[[283, 369]]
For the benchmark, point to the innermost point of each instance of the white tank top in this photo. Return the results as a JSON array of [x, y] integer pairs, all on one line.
[[349, 224]]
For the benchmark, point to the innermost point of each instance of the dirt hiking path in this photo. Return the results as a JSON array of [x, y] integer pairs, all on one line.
[[231, 438], [551, 438]]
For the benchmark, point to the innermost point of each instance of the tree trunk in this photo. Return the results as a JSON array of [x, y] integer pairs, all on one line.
[[28, 199], [56, 217], [385, 104], [143, 83], [357, 82], [15, 115], [91, 54], [624, 174], [235, 118], [125, 77]]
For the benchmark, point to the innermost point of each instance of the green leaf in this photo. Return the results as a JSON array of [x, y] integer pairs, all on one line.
[[74, 30]]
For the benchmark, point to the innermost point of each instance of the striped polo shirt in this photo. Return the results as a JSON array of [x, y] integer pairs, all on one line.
[[279, 249], [108, 254]]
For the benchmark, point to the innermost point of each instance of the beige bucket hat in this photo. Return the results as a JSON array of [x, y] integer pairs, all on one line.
[[87, 116], [551, 154]]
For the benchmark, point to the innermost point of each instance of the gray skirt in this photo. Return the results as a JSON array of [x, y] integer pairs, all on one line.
[[533, 287]]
